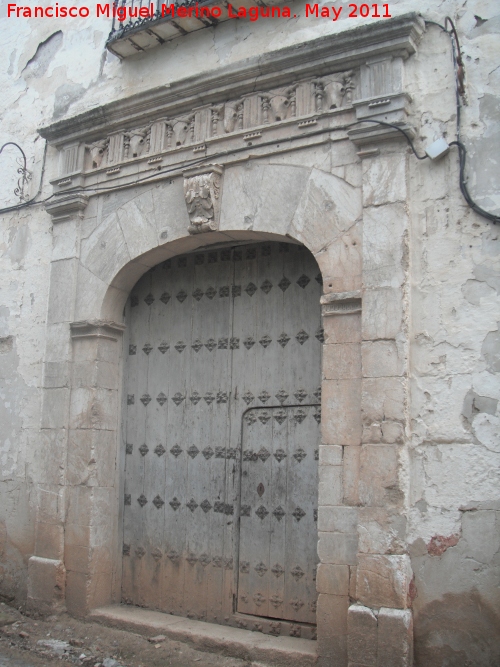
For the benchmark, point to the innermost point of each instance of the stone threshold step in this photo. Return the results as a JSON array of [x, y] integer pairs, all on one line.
[[233, 642]]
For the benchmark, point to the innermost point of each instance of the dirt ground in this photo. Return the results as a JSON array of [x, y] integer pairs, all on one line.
[[62, 640]]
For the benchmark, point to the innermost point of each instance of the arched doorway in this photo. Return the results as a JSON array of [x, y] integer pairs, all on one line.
[[221, 429]]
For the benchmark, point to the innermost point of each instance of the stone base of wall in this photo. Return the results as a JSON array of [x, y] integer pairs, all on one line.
[[46, 585], [382, 638]]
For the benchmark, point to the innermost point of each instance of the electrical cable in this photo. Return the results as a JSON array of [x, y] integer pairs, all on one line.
[[458, 66], [204, 159]]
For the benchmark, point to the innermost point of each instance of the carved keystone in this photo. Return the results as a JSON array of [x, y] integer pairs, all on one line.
[[202, 190]]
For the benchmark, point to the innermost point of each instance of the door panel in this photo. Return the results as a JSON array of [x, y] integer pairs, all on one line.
[[278, 534], [214, 336]]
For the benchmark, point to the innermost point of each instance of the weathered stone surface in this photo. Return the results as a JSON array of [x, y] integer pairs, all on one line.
[[382, 358], [379, 476], [385, 239], [382, 314], [330, 455], [332, 619], [351, 474], [327, 209], [383, 409], [338, 548], [383, 581], [338, 519], [46, 582], [395, 638], [341, 401], [342, 362], [362, 638], [330, 485], [384, 180], [333, 579], [344, 329], [381, 531]]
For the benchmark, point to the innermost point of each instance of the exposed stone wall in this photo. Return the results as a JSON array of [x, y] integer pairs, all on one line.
[[410, 489]]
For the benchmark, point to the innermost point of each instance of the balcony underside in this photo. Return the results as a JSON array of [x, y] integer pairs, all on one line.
[[135, 35]]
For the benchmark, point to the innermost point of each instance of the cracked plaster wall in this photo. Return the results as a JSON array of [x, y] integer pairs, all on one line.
[[59, 68]]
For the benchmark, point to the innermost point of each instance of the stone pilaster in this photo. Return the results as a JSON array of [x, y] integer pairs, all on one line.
[[91, 520]]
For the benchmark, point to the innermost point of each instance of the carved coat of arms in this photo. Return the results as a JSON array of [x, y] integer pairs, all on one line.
[[202, 191]]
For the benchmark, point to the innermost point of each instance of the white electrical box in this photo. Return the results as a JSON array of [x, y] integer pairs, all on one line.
[[438, 149]]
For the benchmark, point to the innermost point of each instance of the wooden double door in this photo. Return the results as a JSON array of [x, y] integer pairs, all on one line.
[[221, 433]]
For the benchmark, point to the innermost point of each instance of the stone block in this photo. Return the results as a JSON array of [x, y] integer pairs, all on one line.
[[395, 638], [382, 315], [77, 535], [342, 362], [105, 251], [91, 457], [65, 240], [94, 408], [331, 617], [77, 558], [49, 540], [384, 179], [341, 406], [55, 408], [79, 505], [338, 548], [104, 510], [136, 220], [330, 485], [385, 246], [382, 358], [342, 328], [327, 209], [90, 291], [383, 581], [351, 474], [46, 584], [58, 346], [379, 469], [381, 531], [330, 455], [338, 519], [50, 452], [95, 374], [56, 374], [362, 635], [341, 262], [63, 279], [77, 598], [332, 579], [383, 399], [51, 503]]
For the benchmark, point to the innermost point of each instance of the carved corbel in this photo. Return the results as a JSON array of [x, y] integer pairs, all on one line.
[[202, 191], [96, 329], [66, 206]]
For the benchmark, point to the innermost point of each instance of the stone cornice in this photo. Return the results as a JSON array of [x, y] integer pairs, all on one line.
[[397, 37]]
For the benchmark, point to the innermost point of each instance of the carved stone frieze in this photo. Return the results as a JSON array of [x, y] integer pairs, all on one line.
[[202, 191], [312, 96]]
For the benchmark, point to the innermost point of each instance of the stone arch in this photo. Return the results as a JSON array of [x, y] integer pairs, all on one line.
[[303, 202]]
